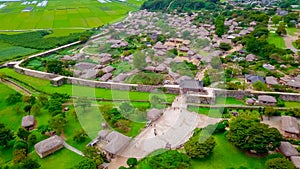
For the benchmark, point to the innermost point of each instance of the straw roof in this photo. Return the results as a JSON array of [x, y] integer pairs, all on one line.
[[290, 124], [191, 84], [116, 142], [154, 114], [266, 98], [103, 133], [27, 121], [271, 80], [296, 161], [287, 149], [48, 144]]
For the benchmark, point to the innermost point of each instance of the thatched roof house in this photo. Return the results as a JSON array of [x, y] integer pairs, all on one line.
[[85, 65], [289, 126], [296, 161], [49, 146], [191, 85], [254, 78], [116, 142], [154, 114], [271, 80], [105, 77], [287, 149], [28, 121], [267, 100]]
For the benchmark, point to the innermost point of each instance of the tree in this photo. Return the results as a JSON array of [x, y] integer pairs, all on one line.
[[260, 86], [216, 63], [20, 144], [80, 136], [276, 19], [281, 30], [131, 162], [83, 102], [14, 98], [19, 155], [225, 46], [58, 123], [279, 163], [94, 154], [186, 34], [6, 135], [23, 134], [126, 109], [196, 148], [29, 163], [139, 60], [32, 139], [246, 132], [170, 159], [86, 163], [220, 27], [35, 109], [54, 66]]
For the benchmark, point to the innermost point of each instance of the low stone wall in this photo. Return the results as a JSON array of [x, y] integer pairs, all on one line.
[[34, 73], [238, 94]]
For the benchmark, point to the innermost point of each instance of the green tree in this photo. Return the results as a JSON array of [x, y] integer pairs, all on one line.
[[14, 98], [220, 27], [260, 86], [248, 133], [94, 154], [139, 60], [276, 19], [19, 155], [54, 66], [279, 163], [23, 134], [80, 136], [58, 123], [86, 163], [225, 46], [6, 135], [29, 163], [197, 148], [281, 30], [131, 162], [20, 144]]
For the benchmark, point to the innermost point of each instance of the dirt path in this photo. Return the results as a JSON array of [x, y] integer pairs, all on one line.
[[288, 39], [16, 87]]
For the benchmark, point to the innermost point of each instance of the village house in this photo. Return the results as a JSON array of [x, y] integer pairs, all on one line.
[[104, 58], [154, 114], [49, 146], [191, 86], [290, 127], [28, 122], [251, 58], [253, 78], [267, 100], [105, 77], [287, 149], [296, 161], [58, 81], [271, 80]]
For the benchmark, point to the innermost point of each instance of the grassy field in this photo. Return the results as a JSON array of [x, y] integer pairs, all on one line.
[[64, 16], [225, 156], [277, 40], [229, 100], [44, 85], [292, 31]]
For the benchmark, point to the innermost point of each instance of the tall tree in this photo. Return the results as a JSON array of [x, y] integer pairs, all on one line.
[[94, 154], [58, 123], [220, 27], [54, 66], [6, 135], [139, 60], [276, 19], [281, 30]]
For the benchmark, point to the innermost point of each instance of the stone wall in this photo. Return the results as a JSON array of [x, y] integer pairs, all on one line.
[[238, 94], [34, 73]]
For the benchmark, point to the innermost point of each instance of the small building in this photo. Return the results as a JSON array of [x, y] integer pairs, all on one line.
[[271, 80], [287, 149], [253, 78], [267, 100], [58, 81], [159, 46], [120, 78], [251, 58], [296, 161], [49, 146], [154, 114], [191, 85], [105, 77], [293, 84], [290, 127], [108, 69], [250, 101], [28, 122], [183, 49]]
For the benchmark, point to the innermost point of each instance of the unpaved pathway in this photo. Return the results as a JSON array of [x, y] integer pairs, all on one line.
[[16, 87], [69, 147]]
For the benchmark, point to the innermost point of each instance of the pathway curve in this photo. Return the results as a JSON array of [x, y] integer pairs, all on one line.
[[174, 127], [16, 87], [69, 147]]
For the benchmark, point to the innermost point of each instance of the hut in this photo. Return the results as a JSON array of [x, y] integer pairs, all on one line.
[[287, 149], [290, 127], [254, 78], [154, 114], [296, 161], [115, 143], [267, 100], [271, 80], [28, 122], [49, 146], [191, 85]]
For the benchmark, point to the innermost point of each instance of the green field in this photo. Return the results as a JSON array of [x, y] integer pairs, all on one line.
[[277, 40], [64, 16], [226, 156], [8, 51]]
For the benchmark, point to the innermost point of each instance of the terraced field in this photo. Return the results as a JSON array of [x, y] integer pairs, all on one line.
[[64, 17]]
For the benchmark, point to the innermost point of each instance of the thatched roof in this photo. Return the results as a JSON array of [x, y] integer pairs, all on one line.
[[116, 142], [296, 161], [105, 77], [271, 80], [120, 78], [108, 69], [266, 98], [154, 114], [27, 121], [290, 124], [191, 84], [254, 78], [85, 65], [48, 144], [287, 149], [103, 133]]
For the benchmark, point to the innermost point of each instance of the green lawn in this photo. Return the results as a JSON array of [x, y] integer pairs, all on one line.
[[292, 31], [44, 85], [225, 156], [292, 104], [277, 40], [66, 16], [229, 100], [211, 112]]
